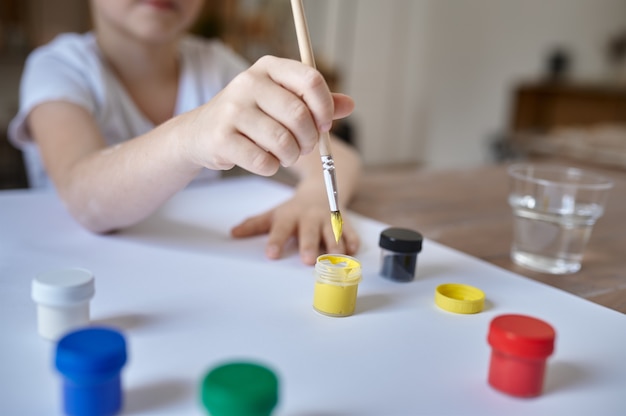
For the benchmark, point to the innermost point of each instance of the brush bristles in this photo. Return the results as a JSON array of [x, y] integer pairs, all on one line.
[[337, 223]]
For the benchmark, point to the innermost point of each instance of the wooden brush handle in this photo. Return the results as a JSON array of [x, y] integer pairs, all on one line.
[[306, 55], [302, 32]]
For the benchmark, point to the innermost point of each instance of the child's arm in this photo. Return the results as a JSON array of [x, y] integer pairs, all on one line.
[[269, 115], [106, 188]]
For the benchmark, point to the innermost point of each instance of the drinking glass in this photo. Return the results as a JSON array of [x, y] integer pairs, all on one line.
[[554, 210]]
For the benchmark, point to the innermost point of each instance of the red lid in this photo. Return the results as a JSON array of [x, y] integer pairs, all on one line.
[[521, 335]]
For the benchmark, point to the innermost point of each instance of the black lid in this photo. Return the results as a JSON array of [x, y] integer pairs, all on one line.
[[401, 240]]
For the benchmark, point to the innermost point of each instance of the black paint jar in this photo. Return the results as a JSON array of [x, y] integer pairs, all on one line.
[[399, 250]]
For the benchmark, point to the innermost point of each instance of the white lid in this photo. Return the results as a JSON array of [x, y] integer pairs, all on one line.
[[63, 287]]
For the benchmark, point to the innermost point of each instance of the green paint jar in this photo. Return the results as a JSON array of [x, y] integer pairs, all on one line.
[[240, 389]]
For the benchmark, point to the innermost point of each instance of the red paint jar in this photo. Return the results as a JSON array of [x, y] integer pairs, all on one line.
[[520, 348]]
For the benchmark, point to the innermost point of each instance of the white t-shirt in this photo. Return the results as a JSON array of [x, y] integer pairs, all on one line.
[[71, 68]]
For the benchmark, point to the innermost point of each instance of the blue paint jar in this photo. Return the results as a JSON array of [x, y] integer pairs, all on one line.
[[91, 360]]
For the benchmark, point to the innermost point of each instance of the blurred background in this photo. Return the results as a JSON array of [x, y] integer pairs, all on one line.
[[437, 83]]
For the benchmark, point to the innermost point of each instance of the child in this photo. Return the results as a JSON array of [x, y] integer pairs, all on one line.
[[127, 115]]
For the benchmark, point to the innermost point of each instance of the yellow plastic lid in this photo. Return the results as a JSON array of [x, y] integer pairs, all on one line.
[[459, 298]]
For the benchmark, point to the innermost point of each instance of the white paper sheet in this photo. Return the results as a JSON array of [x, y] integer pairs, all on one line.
[[188, 297]]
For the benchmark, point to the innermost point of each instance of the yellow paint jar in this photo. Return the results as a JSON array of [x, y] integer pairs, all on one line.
[[337, 278]]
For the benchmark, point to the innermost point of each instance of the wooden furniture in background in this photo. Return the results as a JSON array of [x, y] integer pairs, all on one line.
[[543, 106], [583, 122]]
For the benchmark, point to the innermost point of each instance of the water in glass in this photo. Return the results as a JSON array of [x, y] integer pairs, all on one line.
[[551, 241]]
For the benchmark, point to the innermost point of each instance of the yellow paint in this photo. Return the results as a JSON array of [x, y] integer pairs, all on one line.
[[338, 278], [337, 223], [346, 264], [334, 300]]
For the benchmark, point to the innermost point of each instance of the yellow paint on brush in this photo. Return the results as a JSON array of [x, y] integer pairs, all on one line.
[[337, 223], [338, 278]]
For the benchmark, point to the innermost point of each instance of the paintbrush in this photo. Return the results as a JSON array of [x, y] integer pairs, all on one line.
[[328, 164]]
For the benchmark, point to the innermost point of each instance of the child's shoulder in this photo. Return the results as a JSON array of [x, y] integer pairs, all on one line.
[[72, 47]]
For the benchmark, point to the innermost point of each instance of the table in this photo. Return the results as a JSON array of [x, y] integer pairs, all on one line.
[[467, 209], [188, 297]]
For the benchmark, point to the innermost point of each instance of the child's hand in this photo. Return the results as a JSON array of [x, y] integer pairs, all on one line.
[[268, 116], [306, 220]]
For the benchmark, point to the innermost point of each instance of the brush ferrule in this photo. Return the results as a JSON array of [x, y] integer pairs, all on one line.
[[328, 164]]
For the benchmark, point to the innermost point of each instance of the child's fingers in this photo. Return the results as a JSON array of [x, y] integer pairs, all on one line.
[[270, 135], [253, 226], [350, 238], [344, 105], [282, 229], [287, 109], [305, 82], [309, 239], [242, 151]]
